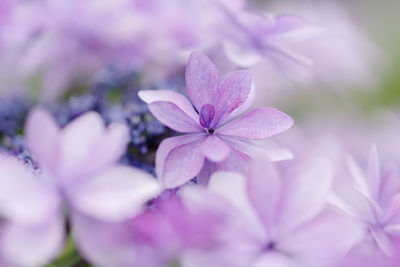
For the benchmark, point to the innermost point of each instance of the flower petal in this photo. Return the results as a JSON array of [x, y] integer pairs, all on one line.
[[245, 106], [183, 163], [24, 197], [42, 132], [104, 243], [215, 149], [32, 245], [232, 186], [259, 123], [115, 194], [305, 193], [264, 189], [322, 240], [150, 96], [110, 149], [172, 116], [201, 80], [272, 151], [233, 90], [167, 145], [78, 139], [374, 176], [275, 259]]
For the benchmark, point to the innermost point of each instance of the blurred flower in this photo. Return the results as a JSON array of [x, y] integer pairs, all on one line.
[[79, 170], [57, 51], [288, 221], [31, 214], [181, 230], [374, 203], [209, 138]]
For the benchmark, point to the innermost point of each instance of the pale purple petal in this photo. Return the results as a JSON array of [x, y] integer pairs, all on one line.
[[215, 149], [103, 243], [232, 186], [201, 80], [327, 238], [25, 198], [182, 163], [270, 150], [264, 188], [167, 145], [77, 142], [305, 193], [150, 96], [110, 149], [236, 161], [245, 106], [233, 90], [32, 244], [275, 259], [42, 133], [390, 185], [203, 177], [285, 23], [115, 194], [259, 123], [173, 117], [359, 178], [383, 240], [374, 176]]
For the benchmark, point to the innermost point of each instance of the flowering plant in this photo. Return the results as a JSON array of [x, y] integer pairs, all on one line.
[[123, 144]]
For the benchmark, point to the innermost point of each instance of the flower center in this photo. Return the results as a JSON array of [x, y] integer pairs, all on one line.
[[207, 113], [270, 246]]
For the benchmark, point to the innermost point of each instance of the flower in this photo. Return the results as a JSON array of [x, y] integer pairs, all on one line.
[[373, 203], [79, 166], [30, 215], [286, 217], [212, 140], [181, 229]]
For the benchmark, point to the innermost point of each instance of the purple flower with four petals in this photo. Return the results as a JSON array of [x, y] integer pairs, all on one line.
[[214, 139]]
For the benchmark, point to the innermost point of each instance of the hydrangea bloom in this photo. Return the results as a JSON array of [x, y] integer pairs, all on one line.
[[79, 170], [212, 140], [287, 218], [374, 204]]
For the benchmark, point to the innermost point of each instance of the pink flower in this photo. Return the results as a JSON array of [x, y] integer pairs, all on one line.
[[211, 140], [374, 202], [286, 218]]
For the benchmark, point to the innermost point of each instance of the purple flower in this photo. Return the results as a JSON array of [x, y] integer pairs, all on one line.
[[212, 140], [286, 218], [182, 230], [79, 171], [374, 202]]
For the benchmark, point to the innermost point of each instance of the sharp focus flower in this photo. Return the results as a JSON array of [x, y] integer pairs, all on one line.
[[79, 169], [287, 217], [213, 140], [374, 203]]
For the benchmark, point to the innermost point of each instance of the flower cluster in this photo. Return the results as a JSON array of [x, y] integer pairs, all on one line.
[[131, 136], [218, 198]]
